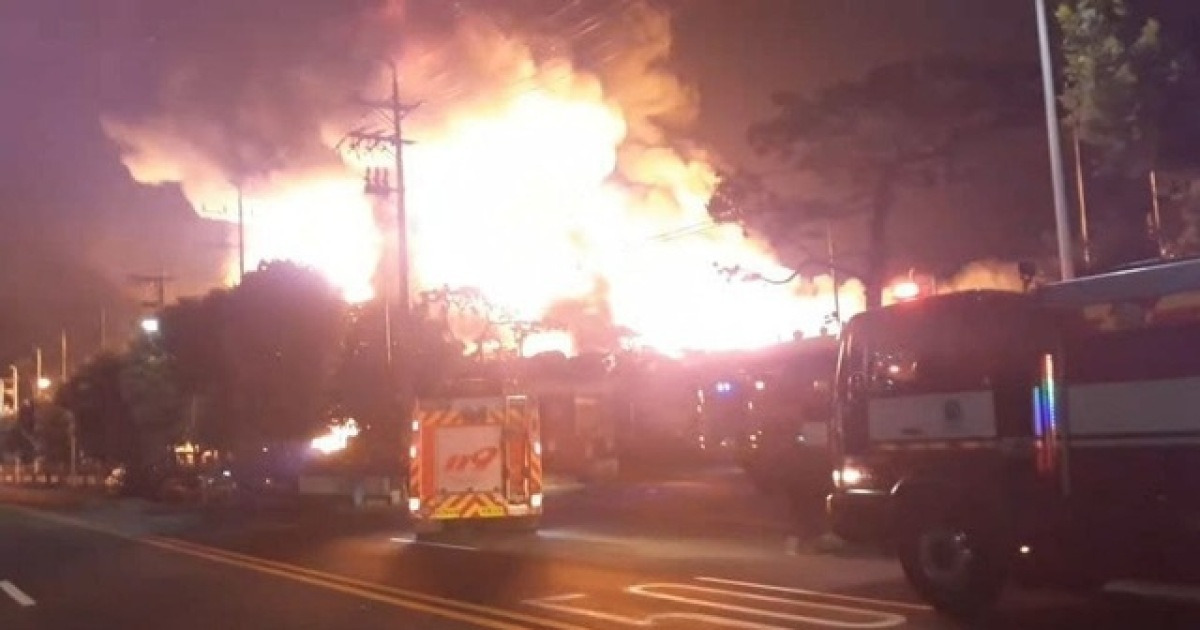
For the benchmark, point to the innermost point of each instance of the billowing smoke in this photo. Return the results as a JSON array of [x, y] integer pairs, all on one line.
[[546, 162], [985, 274]]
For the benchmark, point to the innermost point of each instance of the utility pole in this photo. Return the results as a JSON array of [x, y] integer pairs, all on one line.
[[37, 353], [1062, 222], [103, 329], [241, 236], [1081, 192], [16, 388], [398, 327], [62, 367], [837, 300], [1156, 216]]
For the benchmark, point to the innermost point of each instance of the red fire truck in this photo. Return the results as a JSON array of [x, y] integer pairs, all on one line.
[[475, 454], [1052, 436]]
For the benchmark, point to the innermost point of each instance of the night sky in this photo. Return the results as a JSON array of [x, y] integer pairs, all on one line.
[[73, 225]]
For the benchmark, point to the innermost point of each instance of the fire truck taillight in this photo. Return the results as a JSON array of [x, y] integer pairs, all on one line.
[[414, 504], [537, 448], [535, 500], [412, 451], [416, 426]]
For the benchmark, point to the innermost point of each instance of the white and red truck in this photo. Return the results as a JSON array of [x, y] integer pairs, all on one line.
[[474, 456]]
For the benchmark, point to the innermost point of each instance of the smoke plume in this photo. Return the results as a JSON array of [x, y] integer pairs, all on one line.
[[547, 157]]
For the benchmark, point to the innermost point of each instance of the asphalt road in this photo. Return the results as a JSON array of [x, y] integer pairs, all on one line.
[[699, 553]]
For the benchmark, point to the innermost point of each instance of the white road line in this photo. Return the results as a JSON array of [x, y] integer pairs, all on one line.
[[1184, 593], [835, 596], [872, 618], [556, 603], [429, 543], [17, 594]]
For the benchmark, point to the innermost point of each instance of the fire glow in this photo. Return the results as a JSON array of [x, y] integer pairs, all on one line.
[[532, 180]]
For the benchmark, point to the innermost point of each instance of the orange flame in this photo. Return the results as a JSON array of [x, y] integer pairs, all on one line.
[[533, 181]]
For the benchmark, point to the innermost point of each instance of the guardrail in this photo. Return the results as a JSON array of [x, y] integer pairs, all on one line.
[[33, 475]]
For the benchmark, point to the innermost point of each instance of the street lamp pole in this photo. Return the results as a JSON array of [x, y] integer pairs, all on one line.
[[1062, 222], [62, 365], [16, 388]]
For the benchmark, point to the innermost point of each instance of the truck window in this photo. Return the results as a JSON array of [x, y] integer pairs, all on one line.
[[1134, 354], [921, 350]]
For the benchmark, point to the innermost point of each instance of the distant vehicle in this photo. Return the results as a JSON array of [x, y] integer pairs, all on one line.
[[1049, 437], [475, 455], [722, 414], [579, 434], [783, 444]]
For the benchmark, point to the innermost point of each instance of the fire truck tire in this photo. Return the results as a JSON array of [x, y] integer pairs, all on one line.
[[952, 556]]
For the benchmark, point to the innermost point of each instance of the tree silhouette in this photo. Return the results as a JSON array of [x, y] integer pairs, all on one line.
[[859, 143]]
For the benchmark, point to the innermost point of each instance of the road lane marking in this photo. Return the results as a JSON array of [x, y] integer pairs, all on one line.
[[348, 589], [17, 594], [400, 598], [834, 596], [556, 604], [871, 618], [206, 551], [429, 543]]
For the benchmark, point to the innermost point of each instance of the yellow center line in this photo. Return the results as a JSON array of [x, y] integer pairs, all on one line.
[[342, 579], [363, 593], [401, 598]]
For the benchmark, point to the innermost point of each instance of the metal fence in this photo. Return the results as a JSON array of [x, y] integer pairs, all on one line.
[[40, 475]]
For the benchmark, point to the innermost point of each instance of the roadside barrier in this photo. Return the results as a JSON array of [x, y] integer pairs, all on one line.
[[34, 475]]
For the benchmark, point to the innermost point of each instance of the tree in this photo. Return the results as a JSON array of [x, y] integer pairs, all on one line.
[[192, 337], [284, 325], [104, 427], [365, 387], [1118, 81], [257, 358], [1116, 74], [52, 432], [860, 143], [151, 393]]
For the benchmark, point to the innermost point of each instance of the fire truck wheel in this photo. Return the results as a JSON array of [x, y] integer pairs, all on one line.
[[952, 557]]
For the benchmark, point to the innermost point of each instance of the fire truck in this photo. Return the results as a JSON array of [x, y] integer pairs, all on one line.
[[784, 445], [580, 435], [1050, 437], [475, 455]]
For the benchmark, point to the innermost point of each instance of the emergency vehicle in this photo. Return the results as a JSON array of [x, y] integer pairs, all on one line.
[[784, 445], [475, 455], [1052, 436], [580, 435]]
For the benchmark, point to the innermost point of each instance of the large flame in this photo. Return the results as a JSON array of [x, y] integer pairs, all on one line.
[[530, 179]]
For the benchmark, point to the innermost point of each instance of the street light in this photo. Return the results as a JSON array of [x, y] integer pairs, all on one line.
[[150, 325]]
